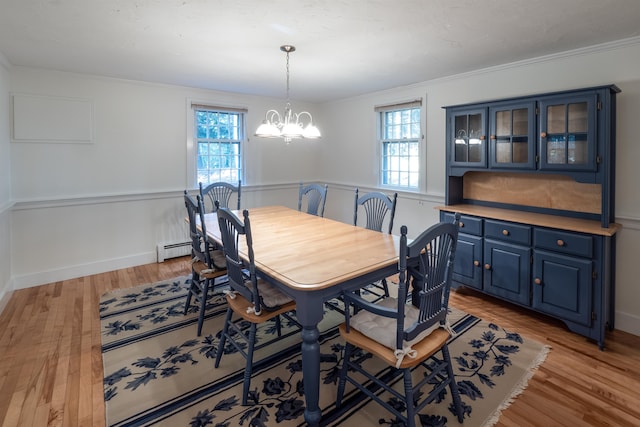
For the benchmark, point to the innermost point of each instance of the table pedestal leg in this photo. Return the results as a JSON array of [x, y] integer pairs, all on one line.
[[311, 374]]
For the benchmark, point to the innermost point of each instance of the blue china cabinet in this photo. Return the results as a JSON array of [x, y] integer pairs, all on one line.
[[533, 178]]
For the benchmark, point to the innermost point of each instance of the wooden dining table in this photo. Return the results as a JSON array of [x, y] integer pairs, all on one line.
[[313, 260]]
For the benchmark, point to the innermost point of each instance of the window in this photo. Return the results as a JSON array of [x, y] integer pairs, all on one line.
[[400, 140], [218, 139]]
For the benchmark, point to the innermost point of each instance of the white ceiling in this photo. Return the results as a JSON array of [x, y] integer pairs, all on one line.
[[344, 47]]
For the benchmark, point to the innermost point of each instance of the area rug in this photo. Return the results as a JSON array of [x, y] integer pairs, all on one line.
[[158, 372]]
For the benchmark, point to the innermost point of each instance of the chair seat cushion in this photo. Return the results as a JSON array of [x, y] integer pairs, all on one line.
[[218, 259], [272, 297], [383, 329], [244, 308], [424, 349]]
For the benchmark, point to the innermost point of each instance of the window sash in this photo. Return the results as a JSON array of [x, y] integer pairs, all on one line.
[[401, 163]]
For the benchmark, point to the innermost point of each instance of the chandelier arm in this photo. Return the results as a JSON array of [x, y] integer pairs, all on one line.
[[301, 114], [273, 116]]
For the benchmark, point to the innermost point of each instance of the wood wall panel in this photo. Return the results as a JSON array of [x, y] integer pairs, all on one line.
[[542, 191]]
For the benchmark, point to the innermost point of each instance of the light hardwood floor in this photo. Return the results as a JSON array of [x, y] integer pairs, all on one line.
[[51, 365]]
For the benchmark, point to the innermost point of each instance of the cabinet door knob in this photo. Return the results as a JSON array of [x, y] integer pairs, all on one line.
[[543, 134], [461, 224], [487, 266], [476, 263], [560, 242], [492, 137], [482, 137], [505, 232], [537, 281]]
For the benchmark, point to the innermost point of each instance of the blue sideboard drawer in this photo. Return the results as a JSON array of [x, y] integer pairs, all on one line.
[[563, 242], [507, 231], [468, 224]]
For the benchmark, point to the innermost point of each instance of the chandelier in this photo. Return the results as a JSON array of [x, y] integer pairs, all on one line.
[[289, 125]]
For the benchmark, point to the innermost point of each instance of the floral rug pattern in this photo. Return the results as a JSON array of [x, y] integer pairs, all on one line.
[[158, 372]]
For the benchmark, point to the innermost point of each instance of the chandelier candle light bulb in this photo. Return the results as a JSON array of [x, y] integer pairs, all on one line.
[[289, 125]]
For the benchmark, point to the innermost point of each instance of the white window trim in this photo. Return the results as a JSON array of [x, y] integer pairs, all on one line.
[[398, 105], [191, 179]]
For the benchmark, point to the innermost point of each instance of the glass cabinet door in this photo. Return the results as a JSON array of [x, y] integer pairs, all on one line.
[[568, 134], [512, 140], [468, 138]]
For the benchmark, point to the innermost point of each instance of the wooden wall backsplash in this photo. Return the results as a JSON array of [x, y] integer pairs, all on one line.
[[543, 191]]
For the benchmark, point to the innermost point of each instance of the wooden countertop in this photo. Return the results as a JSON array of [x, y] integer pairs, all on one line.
[[543, 220]]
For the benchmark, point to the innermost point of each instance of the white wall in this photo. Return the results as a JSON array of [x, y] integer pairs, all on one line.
[[350, 151], [5, 186], [95, 207], [92, 207], [139, 140]]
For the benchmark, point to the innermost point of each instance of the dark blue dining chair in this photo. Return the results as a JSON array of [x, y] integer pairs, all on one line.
[[315, 196], [407, 335], [222, 192], [376, 206], [207, 264], [251, 299]]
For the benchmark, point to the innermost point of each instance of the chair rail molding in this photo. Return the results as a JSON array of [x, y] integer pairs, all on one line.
[[628, 222], [68, 201], [6, 207], [408, 195], [58, 202]]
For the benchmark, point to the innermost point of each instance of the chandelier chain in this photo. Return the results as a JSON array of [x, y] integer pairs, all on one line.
[[288, 99]]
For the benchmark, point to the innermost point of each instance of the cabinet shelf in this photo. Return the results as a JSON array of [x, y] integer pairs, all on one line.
[[543, 220]]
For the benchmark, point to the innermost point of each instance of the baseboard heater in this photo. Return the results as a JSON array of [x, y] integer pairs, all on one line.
[[172, 250]]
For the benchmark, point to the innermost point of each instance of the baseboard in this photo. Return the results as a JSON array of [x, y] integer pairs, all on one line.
[[72, 272], [5, 296], [628, 323]]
